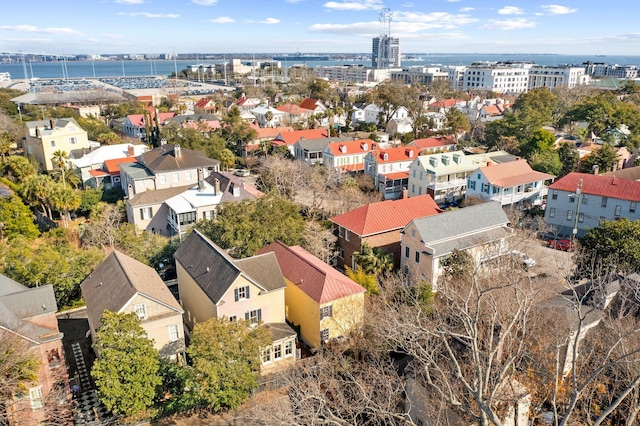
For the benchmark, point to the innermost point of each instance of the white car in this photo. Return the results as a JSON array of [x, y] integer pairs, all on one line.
[[523, 258]]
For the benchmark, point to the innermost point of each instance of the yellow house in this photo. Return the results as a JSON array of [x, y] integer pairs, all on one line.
[[121, 284], [320, 300], [44, 137], [214, 285]]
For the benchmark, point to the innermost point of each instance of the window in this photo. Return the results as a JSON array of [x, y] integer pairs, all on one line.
[[407, 252], [632, 207], [173, 332], [254, 316], [163, 178], [340, 252], [406, 269], [585, 198], [340, 231], [288, 348], [417, 258], [53, 144], [176, 176], [146, 213], [277, 351], [233, 318], [618, 210], [35, 394], [187, 218], [188, 175], [141, 311], [572, 198], [603, 203], [602, 220], [324, 335], [266, 355], [519, 189], [472, 184], [346, 234], [326, 312], [73, 141], [552, 212], [569, 214], [241, 293], [554, 194], [581, 217]]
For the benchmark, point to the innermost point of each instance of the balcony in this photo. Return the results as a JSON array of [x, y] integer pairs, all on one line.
[[452, 183]]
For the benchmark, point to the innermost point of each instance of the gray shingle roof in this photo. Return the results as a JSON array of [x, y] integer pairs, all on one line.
[[215, 271], [164, 159], [117, 279], [157, 196], [135, 170], [19, 303], [461, 222], [227, 183]]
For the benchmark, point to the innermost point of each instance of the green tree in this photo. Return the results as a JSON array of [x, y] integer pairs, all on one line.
[[89, 198], [244, 227], [16, 219], [227, 158], [367, 280], [226, 362], [320, 89], [59, 160], [37, 191], [546, 162], [605, 158], [64, 199], [569, 158], [373, 260], [110, 138], [235, 132], [613, 246], [17, 167], [126, 388], [540, 141]]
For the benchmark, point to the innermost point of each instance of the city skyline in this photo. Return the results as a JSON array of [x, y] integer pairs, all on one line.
[[286, 26]]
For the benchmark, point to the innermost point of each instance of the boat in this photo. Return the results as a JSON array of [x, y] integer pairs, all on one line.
[[301, 57]]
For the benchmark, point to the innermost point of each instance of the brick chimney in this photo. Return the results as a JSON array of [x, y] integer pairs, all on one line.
[[176, 151], [51, 123], [38, 132], [130, 151]]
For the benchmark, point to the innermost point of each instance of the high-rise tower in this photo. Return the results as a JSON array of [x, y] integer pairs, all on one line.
[[385, 52]]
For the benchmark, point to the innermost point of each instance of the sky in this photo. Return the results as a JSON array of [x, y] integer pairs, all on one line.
[[585, 27]]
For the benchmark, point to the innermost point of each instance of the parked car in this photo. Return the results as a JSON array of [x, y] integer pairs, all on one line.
[[523, 258], [242, 172], [562, 244]]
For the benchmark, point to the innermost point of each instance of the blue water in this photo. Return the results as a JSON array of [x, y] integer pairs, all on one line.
[[87, 69]]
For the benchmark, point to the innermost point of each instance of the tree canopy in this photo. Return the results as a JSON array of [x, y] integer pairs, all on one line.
[[125, 387], [613, 246], [16, 219]]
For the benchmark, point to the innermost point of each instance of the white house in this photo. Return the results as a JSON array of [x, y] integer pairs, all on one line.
[[508, 183], [579, 201]]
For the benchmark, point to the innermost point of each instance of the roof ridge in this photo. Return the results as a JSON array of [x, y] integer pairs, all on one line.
[[224, 255], [115, 254]]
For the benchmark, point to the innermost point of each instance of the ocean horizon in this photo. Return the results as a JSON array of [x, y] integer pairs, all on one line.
[[139, 68]]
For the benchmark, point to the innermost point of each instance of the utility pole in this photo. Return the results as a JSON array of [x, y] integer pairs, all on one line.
[[575, 219]]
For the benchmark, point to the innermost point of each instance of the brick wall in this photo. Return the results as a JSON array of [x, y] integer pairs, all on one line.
[[389, 241]]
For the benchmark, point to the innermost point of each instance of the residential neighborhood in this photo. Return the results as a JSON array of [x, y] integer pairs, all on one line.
[[255, 241]]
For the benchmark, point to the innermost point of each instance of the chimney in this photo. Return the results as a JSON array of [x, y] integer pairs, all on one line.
[[176, 151], [130, 192], [37, 132], [130, 151], [595, 169], [51, 123], [216, 184], [200, 174], [404, 194], [84, 151], [489, 163]]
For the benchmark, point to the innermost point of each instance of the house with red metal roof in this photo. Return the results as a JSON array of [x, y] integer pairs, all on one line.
[[508, 183], [320, 302], [294, 114], [134, 124], [389, 169], [379, 225], [205, 106], [348, 157], [289, 139], [435, 144], [579, 201]]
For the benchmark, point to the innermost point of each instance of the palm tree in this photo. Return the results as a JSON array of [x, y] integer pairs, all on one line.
[[64, 199], [65, 175], [374, 261], [59, 160], [37, 190], [227, 158], [268, 116]]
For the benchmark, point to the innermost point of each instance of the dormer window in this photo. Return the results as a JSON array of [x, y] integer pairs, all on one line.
[[365, 146], [343, 149], [141, 311], [385, 156]]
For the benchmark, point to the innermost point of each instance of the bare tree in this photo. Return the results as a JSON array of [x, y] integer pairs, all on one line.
[[319, 241]]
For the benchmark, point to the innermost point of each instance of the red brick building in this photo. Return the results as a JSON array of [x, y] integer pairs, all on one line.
[[379, 225], [29, 316]]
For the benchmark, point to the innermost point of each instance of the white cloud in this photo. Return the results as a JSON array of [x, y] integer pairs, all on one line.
[[112, 36], [205, 2], [510, 10], [355, 5], [46, 30], [129, 1], [222, 20], [508, 24], [268, 21], [467, 9], [27, 40], [555, 9], [150, 15]]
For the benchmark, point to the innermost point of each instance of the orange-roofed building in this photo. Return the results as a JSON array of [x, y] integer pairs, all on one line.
[[109, 175], [205, 106], [320, 302], [294, 113], [445, 104], [134, 124], [348, 157], [435, 144], [508, 183], [379, 225], [289, 139], [389, 169]]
